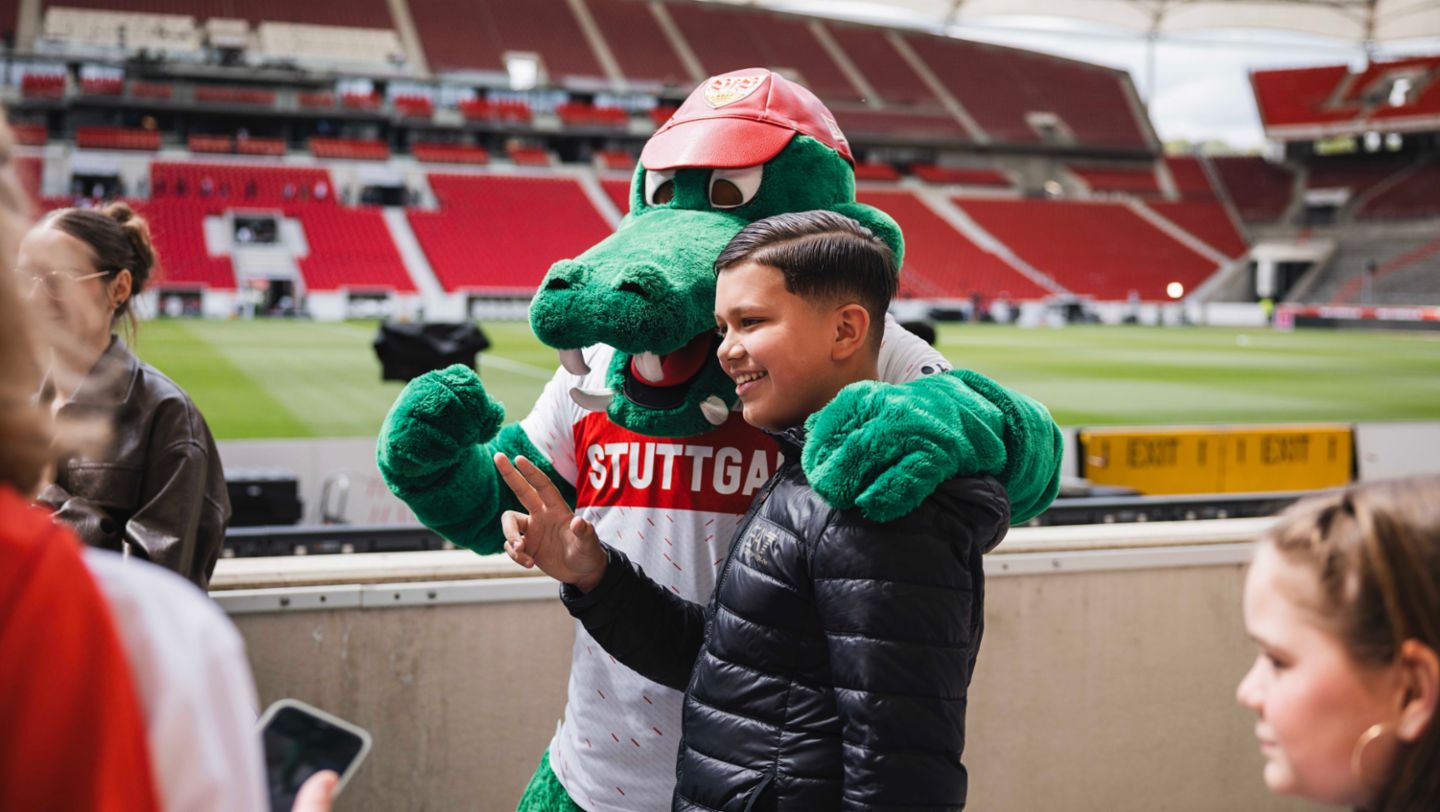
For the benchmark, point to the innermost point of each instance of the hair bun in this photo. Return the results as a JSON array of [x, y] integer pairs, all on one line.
[[137, 233]]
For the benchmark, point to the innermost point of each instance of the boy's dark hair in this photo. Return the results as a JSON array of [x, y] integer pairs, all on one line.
[[821, 254]]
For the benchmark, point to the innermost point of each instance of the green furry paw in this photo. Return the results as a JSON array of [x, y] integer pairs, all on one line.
[[438, 418], [884, 448]]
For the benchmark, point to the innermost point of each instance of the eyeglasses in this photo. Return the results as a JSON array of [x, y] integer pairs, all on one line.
[[54, 281]]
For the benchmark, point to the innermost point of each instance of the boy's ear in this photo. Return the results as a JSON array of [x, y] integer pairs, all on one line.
[[852, 331], [880, 224]]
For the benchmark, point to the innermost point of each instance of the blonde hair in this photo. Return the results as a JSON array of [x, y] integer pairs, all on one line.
[[1374, 550]]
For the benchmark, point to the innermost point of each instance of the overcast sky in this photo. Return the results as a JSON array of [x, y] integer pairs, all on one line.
[[1202, 89]]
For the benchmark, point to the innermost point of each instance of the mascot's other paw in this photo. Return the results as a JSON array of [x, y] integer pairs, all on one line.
[[885, 447], [438, 418]]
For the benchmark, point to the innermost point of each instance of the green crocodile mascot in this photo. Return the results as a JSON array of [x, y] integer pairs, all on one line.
[[639, 429]]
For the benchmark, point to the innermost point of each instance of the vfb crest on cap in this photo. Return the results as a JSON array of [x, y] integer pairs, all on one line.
[[723, 90]]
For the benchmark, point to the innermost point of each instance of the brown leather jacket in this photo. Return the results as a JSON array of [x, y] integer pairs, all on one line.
[[159, 490]]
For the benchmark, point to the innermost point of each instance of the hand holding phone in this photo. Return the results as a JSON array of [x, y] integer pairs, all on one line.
[[301, 741]]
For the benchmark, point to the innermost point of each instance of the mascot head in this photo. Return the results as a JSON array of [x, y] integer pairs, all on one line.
[[745, 145]]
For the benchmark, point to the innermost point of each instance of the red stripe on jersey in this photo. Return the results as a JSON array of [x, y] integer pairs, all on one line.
[[715, 472]]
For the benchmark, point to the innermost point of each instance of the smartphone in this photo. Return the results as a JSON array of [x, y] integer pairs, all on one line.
[[301, 740]]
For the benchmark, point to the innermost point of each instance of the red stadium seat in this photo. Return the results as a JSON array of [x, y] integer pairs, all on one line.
[[102, 87], [529, 156], [223, 144], [486, 235], [349, 148], [1207, 220], [42, 85], [876, 171], [1135, 180], [350, 249], [116, 138], [1092, 248], [178, 228], [449, 153], [1261, 190], [964, 176], [941, 262], [29, 133], [235, 95]]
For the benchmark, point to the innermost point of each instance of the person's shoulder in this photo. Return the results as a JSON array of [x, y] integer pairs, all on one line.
[[971, 507], [157, 599], [171, 405]]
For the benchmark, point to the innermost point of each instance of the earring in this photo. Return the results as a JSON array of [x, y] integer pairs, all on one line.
[[1371, 764]]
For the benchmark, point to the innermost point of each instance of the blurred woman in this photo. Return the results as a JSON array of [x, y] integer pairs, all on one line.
[[1343, 599], [158, 491]]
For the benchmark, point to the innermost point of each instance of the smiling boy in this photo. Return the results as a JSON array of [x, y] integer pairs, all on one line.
[[831, 665]]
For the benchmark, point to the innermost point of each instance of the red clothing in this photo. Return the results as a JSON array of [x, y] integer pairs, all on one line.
[[72, 734]]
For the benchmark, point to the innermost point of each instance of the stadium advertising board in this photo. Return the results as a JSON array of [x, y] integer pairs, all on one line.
[[1219, 459]]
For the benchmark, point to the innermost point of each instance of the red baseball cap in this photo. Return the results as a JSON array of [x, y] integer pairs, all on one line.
[[742, 118]]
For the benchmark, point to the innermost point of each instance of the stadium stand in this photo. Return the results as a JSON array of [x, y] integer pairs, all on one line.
[[42, 85], [1207, 220], [1357, 173], [638, 43], [584, 114], [360, 101], [356, 149], [102, 86], [238, 184], [1407, 272], [1413, 198], [724, 37], [876, 171], [1260, 189], [1093, 248], [116, 138], [1135, 180], [940, 262], [29, 170], [250, 145], [413, 106], [361, 13], [486, 237], [350, 249], [151, 90], [322, 100], [222, 144], [964, 176], [235, 95], [29, 133], [619, 192], [617, 160], [1001, 87], [1311, 102], [178, 228], [474, 38], [1189, 176], [529, 156], [129, 26], [328, 43], [862, 125], [496, 110], [882, 65], [449, 153]]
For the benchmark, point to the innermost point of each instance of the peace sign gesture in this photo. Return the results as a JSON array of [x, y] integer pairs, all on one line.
[[563, 545]]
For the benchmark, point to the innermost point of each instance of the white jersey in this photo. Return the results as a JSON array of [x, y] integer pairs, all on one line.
[[672, 506]]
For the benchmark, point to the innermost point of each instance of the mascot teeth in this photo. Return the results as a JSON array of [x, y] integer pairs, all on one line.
[[574, 362], [715, 410], [648, 365], [594, 400]]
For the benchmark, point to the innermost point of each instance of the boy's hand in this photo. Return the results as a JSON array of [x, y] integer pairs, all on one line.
[[563, 545]]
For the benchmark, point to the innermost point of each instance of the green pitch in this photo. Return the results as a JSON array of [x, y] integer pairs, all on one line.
[[273, 379]]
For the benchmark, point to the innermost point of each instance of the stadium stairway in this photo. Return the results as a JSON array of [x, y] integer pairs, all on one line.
[[416, 262]]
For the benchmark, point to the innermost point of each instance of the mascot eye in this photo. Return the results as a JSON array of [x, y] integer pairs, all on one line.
[[730, 188], [659, 188]]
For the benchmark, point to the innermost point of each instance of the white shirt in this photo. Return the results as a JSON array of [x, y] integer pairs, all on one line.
[[189, 667]]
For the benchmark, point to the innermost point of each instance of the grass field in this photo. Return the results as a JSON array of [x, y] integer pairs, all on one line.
[[302, 379]]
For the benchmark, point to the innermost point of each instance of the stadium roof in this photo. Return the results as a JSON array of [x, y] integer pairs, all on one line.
[[1360, 21]]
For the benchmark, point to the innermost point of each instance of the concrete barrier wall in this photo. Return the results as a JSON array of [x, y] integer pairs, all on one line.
[[1106, 676]]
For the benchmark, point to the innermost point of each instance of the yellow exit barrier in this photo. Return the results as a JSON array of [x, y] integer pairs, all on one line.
[[1219, 459]]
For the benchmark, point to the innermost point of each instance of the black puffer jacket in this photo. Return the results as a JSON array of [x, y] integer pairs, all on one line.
[[836, 651]]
